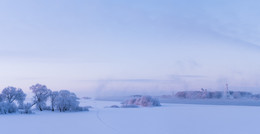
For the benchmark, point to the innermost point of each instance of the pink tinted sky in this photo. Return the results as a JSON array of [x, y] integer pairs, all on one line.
[[148, 46]]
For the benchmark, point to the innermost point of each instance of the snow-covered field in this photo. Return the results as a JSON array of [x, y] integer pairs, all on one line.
[[167, 119]]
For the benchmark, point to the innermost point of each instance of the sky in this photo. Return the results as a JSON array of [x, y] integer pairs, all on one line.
[[123, 47]]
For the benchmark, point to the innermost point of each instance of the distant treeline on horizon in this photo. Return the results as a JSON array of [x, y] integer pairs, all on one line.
[[204, 94]]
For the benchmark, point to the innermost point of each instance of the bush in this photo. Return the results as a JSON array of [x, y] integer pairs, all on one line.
[[81, 109], [6, 108], [26, 108], [48, 108], [114, 106], [129, 106]]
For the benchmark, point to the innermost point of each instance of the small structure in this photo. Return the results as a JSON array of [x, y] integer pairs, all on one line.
[[227, 93]]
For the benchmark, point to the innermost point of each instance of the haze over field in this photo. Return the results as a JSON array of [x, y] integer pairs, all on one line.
[[148, 46]]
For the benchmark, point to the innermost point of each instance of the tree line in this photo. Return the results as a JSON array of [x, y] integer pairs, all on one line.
[[12, 100]]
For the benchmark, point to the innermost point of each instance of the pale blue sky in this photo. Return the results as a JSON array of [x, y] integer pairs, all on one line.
[[130, 46]]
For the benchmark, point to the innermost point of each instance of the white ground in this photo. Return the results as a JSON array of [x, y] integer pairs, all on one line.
[[168, 119]]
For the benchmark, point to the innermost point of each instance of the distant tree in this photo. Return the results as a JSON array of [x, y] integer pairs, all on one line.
[[53, 97], [67, 101], [145, 101], [11, 94], [41, 94]]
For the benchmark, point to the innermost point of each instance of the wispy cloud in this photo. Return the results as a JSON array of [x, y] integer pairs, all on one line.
[[187, 76]]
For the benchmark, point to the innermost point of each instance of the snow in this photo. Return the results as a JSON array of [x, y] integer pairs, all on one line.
[[167, 119]]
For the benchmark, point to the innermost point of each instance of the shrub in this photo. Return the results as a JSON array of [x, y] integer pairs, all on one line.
[[114, 106], [26, 108], [130, 106], [81, 109], [6, 108], [48, 108]]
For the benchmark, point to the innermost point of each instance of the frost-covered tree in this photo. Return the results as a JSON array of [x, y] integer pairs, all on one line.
[[53, 97], [11, 94], [145, 101], [7, 98], [41, 94], [67, 101]]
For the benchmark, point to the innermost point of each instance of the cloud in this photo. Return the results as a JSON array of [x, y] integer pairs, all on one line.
[[131, 80], [187, 76]]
